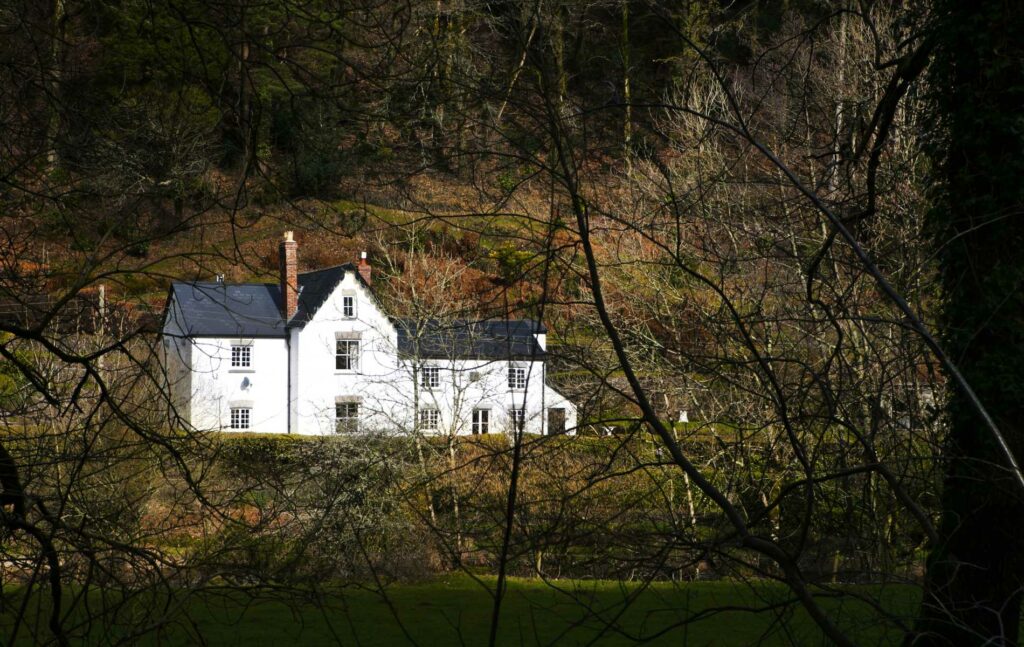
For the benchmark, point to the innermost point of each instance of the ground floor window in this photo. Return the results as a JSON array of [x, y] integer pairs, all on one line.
[[346, 416], [240, 417], [517, 418], [481, 421], [430, 419]]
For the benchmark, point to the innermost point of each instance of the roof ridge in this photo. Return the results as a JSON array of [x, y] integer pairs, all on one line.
[[224, 283], [332, 267]]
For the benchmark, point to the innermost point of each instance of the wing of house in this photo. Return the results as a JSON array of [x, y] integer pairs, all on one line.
[[315, 354]]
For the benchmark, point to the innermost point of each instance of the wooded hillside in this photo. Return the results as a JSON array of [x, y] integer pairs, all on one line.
[[794, 221]]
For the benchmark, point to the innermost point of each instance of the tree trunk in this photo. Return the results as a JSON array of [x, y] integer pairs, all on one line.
[[453, 484], [975, 573], [58, 21], [627, 94]]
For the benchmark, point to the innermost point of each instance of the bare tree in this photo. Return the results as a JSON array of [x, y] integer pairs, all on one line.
[[720, 213]]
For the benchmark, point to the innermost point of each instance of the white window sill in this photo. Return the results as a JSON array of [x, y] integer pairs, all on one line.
[[241, 370]]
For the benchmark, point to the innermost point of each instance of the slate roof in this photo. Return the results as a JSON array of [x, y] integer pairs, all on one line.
[[315, 287], [226, 310], [460, 339], [210, 309]]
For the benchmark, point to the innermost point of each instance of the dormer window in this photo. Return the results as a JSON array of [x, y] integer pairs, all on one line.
[[348, 306], [241, 356]]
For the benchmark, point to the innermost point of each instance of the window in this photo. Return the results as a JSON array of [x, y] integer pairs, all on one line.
[[347, 358], [481, 421], [430, 377], [516, 377], [430, 419], [346, 416], [240, 417], [241, 356], [348, 306], [517, 418]]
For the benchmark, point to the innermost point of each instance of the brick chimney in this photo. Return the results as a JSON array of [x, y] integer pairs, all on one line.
[[289, 276], [365, 270]]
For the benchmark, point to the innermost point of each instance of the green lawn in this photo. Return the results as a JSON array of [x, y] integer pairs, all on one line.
[[456, 610]]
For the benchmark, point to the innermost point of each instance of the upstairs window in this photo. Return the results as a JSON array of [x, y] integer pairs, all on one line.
[[516, 377], [430, 377], [348, 306], [240, 417], [430, 419], [481, 421], [346, 417], [347, 355], [241, 356]]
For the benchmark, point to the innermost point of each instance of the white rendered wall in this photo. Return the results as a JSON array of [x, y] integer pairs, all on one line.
[[319, 385], [295, 381], [466, 385], [216, 387], [388, 390]]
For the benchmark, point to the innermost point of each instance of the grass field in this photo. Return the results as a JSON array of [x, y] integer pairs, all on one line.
[[456, 610]]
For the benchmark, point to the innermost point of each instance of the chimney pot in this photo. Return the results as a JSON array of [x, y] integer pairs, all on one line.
[[287, 254], [365, 270]]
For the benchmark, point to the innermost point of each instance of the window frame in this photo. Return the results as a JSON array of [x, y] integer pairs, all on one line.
[[430, 377], [348, 306], [240, 418], [351, 356], [481, 422], [243, 358], [430, 419], [517, 417], [350, 421], [517, 375]]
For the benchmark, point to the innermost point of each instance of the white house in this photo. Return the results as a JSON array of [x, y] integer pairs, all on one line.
[[315, 354]]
